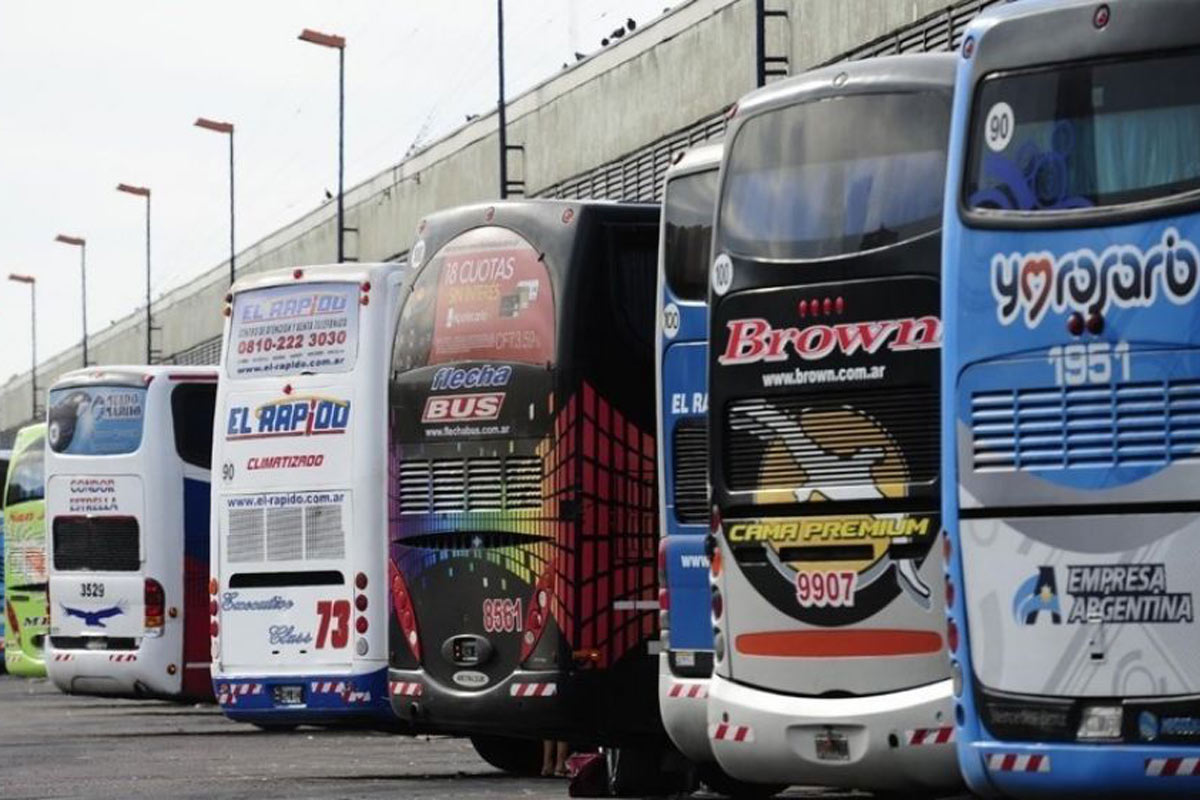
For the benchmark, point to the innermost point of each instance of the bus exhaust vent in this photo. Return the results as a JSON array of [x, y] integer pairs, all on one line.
[[458, 485], [856, 438], [1115, 425], [690, 462], [310, 533]]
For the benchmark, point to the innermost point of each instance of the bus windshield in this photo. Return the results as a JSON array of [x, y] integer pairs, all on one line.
[[814, 180], [687, 238], [484, 296], [1086, 135], [293, 329], [26, 479], [96, 420]]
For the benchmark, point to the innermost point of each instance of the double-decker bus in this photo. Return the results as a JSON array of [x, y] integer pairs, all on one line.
[[825, 331], [685, 661], [1071, 389], [523, 507], [25, 604], [127, 499], [299, 547]]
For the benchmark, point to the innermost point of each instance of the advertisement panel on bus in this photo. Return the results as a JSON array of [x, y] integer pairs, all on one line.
[[25, 601], [1072, 263], [823, 371]]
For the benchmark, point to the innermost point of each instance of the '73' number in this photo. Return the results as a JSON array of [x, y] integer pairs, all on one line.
[[337, 611]]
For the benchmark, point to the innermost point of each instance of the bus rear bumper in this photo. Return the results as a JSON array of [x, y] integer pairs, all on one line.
[[119, 673], [321, 699], [892, 742], [525, 704], [1008, 769], [684, 706]]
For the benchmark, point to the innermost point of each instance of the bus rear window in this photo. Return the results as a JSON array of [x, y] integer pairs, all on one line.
[[295, 329], [688, 216], [96, 544], [836, 176], [484, 296], [96, 420], [26, 479], [1086, 135]]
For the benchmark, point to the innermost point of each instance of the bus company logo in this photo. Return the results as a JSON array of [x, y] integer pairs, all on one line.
[[231, 601], [753, 340], [93, 619], [306, 305], [293, 416], [1032, 285], [1104, 593], [463, 407], [287, 634], [484, 376]]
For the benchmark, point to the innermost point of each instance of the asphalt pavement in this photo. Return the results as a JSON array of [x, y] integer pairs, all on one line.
[[61, 746]]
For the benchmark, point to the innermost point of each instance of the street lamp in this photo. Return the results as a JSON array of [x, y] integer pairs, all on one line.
[[81, 243], [224, 127], [142, 191], [29, 279], [338, 43]]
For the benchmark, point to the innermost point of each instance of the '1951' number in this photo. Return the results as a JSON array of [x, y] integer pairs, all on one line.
[[1080, 364]]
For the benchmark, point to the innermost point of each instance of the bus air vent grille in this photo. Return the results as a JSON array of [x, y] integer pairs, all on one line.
[[458, 485], [690, 464], [832, 439], [1065, 427], [308, 533]]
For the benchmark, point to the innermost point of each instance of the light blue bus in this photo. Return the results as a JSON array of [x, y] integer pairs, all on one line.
[[1071, 399]]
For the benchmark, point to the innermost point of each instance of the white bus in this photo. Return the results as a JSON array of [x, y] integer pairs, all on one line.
[[127, 504], [299, 540]]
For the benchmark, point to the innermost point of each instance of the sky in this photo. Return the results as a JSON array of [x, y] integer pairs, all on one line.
[[100, 93]]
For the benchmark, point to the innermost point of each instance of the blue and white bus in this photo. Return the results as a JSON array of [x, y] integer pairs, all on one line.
[[1071, 398], [299, 545], [685, 660]]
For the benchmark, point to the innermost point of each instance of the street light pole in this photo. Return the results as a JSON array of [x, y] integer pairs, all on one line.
[[142, 191], [338, 43], [224, 127], [29, 279], [501, 110], [81, 243]]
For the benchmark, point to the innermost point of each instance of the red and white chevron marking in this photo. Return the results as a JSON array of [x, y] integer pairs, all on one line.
[[533, 689], [691, 691], [351, 697], [406, 689], [724, 732], [1012, 762], [327, 687], [64, 656], [228, 693], [1172, 767], [922, 736], [122, 657]]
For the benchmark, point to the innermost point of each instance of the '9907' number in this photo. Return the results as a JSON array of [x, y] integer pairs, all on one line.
[[826, 589]]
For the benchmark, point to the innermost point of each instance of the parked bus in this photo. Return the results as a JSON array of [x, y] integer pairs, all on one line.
[[25, 604], [685, 662], [1071, 387], [523, 507], [127, 498], [5, 457], [831, 666], [299, 608]]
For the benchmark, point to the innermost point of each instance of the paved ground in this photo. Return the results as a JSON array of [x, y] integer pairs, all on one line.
[[52, 745]]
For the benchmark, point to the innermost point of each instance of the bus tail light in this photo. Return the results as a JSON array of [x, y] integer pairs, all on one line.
[[952, 636], [538, 615], [360, 602], [155, 603], [361, 625], [714, 521], [213, 608], [214, 629], [662, 562], [213, 586], [402, 607], [718, 604], [360, 581], [949, 592]]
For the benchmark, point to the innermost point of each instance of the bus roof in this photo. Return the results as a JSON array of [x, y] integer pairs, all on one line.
[[697, 159], [1015, 32], [351, 272], [516, 213], [133, 375], [915, 72]]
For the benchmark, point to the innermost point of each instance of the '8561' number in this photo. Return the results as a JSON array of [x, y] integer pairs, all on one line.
[[502, 615]]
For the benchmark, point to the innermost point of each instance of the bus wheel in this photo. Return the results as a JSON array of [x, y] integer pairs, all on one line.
[[713, 777], [518, 756], [274, 727]]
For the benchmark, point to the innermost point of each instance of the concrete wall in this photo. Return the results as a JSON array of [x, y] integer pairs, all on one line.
[[683, 67]]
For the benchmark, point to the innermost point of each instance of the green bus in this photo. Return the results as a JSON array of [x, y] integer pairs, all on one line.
[[26, 605]]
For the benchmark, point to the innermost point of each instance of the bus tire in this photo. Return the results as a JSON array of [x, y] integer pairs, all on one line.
[[717, 780], [516, 756]]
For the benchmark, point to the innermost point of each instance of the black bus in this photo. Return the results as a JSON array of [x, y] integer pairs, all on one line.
[[523, 515]]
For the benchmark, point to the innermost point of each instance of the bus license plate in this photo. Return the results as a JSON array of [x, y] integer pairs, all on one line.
[[288, 695], [832, 747]]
